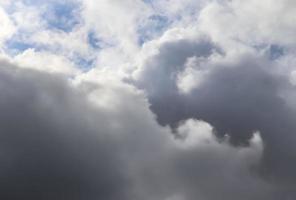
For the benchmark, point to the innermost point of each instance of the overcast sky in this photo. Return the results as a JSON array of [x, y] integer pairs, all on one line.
[[147, 100]]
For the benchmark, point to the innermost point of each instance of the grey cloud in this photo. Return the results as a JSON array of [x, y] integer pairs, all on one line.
[[51, 145], [56, 144], [236, 98], [207, 171], [161, 72]]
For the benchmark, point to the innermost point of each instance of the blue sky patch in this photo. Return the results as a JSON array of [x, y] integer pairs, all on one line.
[[275, 51], [154, 27], [94, 41], [83, 63], [17, 45], [62, 16]]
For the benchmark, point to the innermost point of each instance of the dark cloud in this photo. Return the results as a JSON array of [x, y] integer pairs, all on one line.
[[51, 146], [209, 170], [57, 144], [237, 98], [162, 69], [92, 141]]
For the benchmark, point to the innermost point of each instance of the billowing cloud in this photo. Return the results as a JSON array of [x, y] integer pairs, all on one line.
[[254, 22], [63, 141], [7, 26], [236, 97], [150, 100]]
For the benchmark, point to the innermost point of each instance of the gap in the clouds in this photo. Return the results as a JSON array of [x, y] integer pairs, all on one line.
[[93, 40], [154, 27], [16, 45], [272, 51], [83, 63], [57, 15], [276, 51], [62, 16], [148, 1], [97, 43]]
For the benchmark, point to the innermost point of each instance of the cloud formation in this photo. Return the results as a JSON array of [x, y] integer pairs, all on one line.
[[59, 144], [150, 100]]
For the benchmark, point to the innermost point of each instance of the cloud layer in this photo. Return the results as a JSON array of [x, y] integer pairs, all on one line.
[[151, 100]]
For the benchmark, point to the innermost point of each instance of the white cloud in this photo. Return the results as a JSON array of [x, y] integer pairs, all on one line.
[[46, 62], [195, 71], [7, 26], [250, 22], [27, 18], [116, 20]]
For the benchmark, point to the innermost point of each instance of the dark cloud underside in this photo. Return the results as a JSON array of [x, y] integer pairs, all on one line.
[[49, 148], [237, 98]]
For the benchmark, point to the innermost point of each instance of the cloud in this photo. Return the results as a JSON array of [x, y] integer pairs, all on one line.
[[113, 21], [100, 141], [7, 26], [237, 95], [50, 149], [151, 100], [253, 22], [45, 61]]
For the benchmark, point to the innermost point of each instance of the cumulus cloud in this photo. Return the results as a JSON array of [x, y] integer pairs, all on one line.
[[254, 22], [7, 26], [48, 150], [45, 61], [151, 100], [236, 97], [57, 143]]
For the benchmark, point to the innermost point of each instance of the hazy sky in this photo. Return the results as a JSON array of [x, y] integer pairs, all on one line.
[[147, 99]]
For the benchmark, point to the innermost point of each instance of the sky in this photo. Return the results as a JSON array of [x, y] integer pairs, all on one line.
[[147, 99]]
